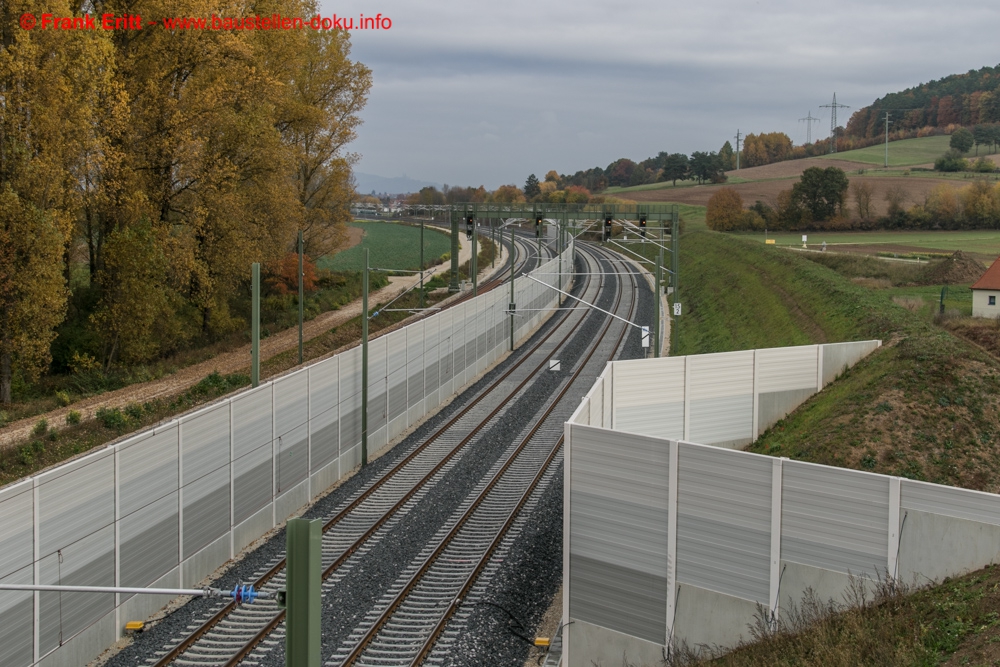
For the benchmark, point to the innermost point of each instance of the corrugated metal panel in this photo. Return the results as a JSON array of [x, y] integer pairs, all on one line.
[[324, 425], [17, 622], [834, 519], [721, 420], [432, 377], [206, 510], [252, 420], [649, 382], [618, 531], [149, 542], [87, 562], [291, 402], [950, 501], [395, 344], [147, 469], [350, 373], [415, 363], [596, 416], [75, 500], [350, 422], [446, 342], [17, 529], [784, 368], [292, 465], [724, 521], [377, 364], [396, 401], [839, 356], [664, 420], [721, 374], [252, 484], [205, 441]]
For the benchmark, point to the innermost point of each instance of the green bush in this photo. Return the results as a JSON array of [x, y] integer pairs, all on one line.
[[62, 398], [134, 411], [73, 417], [112, 418], [41, 426]]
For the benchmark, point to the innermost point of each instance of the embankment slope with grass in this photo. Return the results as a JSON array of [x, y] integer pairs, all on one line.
[[924, 406]]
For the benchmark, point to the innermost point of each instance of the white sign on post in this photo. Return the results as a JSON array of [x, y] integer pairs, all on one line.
[[677, 309], [645, 336], [804, 237]]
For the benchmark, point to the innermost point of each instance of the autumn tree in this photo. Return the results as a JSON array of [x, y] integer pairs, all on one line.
[[507, 194], [32, 289], [725, 210], [862, 191], [821, 192]]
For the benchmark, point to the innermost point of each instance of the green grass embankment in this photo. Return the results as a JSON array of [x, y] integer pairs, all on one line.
[[925, 406]]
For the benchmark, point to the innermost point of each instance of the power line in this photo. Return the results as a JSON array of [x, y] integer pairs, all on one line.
[[833, 120], [809, 120]]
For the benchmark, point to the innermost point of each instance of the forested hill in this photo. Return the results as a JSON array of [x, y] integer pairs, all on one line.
[[966, 99]]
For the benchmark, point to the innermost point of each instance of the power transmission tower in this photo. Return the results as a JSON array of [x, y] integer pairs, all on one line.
[[833, 120], [738, 137], [809, 120]]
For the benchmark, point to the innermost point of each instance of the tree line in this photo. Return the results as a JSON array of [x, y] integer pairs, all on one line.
[[827, 199], [142, 172]]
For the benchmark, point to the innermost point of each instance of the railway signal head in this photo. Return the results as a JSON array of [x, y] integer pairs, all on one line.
[[642, 225], [538, 225], [469, 225], [607, 228]]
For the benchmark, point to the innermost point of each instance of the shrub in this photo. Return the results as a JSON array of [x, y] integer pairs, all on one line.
[[41, 426], [951, 161], [112, 418], [73, 417], [134, 411], [62, 398]]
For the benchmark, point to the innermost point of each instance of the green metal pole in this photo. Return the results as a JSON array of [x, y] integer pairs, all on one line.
[[301, 297], [674, 271], [303, 584], [421, 265], [364, 365], [255, 327], [658, 279], [493, 240], [453, 287], [512, 305], [474, 262]]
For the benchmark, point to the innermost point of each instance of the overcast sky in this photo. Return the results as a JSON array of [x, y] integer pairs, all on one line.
[[470, 93]]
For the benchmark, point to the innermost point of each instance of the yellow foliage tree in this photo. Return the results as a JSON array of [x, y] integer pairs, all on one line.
[[725, 210]]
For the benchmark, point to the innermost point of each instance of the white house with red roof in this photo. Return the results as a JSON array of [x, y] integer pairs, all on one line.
[[986, 293]]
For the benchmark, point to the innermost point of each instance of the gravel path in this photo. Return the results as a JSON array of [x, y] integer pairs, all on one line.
[[229, 362]]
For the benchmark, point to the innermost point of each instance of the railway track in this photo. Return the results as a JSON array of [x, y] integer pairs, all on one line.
[[232, 633]]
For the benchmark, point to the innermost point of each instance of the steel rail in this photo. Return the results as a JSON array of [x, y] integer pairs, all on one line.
[[383, 618], [225, 611]]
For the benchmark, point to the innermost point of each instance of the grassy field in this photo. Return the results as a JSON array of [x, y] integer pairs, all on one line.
[[391, 246], [901, 153], [980, 242]]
